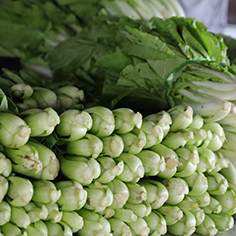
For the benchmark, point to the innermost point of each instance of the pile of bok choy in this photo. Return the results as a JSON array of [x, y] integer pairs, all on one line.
[[121, 121], [69, 169]]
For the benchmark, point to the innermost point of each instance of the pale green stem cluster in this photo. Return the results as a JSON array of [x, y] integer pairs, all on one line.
[[73, 196], [59, 228], [35, 160], [126, 120], [44, 97], [88, 146], [74, 124], [69, 95], [105, 172], [94, 224], [103, 121], [109, 169], [4, 186], [134, 141], [42, 122], [99, 197], [21, 91], [14, 132], [20, 191], [133, 168], [45, 191], [80, 168], [5, 165], [33, 97]]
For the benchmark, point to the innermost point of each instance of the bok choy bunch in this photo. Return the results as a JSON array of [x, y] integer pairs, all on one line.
[[159, 63], [104, 171]]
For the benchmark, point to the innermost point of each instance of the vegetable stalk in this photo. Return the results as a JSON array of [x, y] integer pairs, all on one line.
[[5, 212], [20, 191], [73, 196], [121, 193], [5, 165], [14, 132], [74, 124], [45, 191], [80, 168], [99, 197], [41, 122]]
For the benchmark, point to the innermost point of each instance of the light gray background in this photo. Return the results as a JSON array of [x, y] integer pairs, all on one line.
[[212, 13]]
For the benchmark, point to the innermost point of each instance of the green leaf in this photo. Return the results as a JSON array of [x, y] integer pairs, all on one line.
[[12, 76], [114, 61], [3, 101]]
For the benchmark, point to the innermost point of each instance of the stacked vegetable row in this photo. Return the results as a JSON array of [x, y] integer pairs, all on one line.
[[97, 171]]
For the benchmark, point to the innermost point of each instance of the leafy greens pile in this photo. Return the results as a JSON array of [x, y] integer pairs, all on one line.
[[145, 62]]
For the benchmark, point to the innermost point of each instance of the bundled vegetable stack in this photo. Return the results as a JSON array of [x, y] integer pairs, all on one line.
[[97, 171]]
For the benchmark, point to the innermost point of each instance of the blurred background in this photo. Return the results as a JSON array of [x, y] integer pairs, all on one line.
[[232, 12], [218, 15], [231, 24]]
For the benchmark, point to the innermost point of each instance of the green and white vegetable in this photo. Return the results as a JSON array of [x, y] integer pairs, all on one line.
[[5, 165], [121, 193], [41, 122], [19, 217], [73, 196], [45, 191], [37, 228], [80, 168], [88, 146], [20, 191], [54, 213], [14, 132], [73, 219], [5, 212], [36, 213], [99, 197], [119, 227], [73, 125]]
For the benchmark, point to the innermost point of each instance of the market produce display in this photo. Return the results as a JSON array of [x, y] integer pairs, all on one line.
[[115, 165], [97, 171], [121, 121]]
